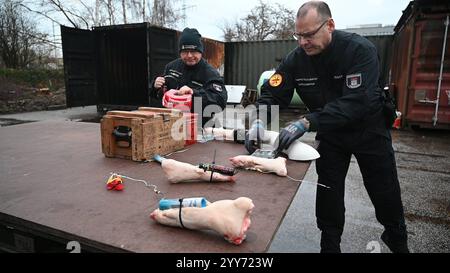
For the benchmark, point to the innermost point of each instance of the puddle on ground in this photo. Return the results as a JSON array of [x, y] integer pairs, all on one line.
[[91, 120], [428, 219], [9, 122]]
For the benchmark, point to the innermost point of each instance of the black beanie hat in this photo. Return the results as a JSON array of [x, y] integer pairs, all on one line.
[[190, 39]]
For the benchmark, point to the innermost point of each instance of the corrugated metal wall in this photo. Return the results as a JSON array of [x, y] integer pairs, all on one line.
[[79, 66], [400, 62], [384, 48], [246, 61], [122, 65]]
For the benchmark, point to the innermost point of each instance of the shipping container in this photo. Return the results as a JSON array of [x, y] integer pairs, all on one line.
[[420, 71], [112, 66], [79, 68], [245, 62]]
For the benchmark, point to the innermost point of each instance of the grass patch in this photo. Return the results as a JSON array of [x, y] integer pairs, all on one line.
[[37, 78]]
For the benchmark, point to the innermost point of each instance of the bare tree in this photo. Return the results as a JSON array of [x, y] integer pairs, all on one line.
[[97, 12], [71, 13], [229, 33], [110, 8], [143, 11], [264, 22], [158, 13], [285, 23], [124, 11], [21, 44], [89, 13], [19, 37], [163, 14], [258, 25]]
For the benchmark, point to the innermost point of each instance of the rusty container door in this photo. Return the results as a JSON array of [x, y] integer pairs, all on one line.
[[401, 62], [214, 54], [429, 75]]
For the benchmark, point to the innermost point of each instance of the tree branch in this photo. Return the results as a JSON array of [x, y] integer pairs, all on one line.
[[40, 13], [58, 5]]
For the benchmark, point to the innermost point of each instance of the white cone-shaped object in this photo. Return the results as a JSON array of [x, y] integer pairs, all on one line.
[[297, 151]]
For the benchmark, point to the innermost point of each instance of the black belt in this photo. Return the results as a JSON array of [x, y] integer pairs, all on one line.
[[179, 214]]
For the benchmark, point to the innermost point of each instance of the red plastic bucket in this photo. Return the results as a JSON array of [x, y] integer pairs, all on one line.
[[180, 102]]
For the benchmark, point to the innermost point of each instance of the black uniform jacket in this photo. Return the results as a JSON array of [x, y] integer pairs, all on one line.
[[338, 86], [202, 78]]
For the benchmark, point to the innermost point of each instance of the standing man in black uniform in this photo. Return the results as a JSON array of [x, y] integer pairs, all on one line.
[[191, 74], [336, 75]]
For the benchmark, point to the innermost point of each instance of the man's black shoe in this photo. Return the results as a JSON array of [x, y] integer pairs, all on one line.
[[395, 247]]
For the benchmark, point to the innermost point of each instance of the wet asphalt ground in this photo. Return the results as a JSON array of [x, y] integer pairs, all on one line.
[[423, 164], [423, 167]]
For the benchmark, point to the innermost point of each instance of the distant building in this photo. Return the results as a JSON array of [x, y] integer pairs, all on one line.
[[371, 30]]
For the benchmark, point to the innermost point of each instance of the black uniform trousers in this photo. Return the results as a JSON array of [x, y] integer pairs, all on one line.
[[376, 161]]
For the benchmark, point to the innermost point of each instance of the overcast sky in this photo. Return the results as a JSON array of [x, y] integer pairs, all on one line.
[[209, 16]]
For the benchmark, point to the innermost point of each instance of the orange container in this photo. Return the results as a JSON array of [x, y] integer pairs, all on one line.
[[191, 128]]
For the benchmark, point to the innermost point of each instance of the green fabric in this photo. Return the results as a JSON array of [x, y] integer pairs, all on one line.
[[295, 102]]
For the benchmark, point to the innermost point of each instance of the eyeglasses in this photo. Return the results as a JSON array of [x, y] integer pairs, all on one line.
[[309, 35], [187, 52]]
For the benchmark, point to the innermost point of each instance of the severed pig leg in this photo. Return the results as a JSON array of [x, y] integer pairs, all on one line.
[[264, 165], [220, 133], [177, 172], [230, 218]]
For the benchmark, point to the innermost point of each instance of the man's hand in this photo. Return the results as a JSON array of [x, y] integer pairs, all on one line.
[[254, 136], [185, 90], [291, 133], [159, 82]]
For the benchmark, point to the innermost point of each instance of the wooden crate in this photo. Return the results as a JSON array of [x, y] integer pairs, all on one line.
[[153, 131], [190, 134]]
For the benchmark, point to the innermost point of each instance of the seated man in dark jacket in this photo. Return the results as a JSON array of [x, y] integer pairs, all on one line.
[[191, 74]]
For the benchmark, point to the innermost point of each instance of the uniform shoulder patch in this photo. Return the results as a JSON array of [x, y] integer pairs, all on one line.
[[354, 81], [276, 80], [217, 87]]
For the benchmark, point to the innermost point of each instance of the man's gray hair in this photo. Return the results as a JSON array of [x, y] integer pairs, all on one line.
[[322, 8]]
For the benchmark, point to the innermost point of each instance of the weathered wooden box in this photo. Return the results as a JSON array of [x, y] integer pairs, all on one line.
[[191, 127], [139, 135]]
